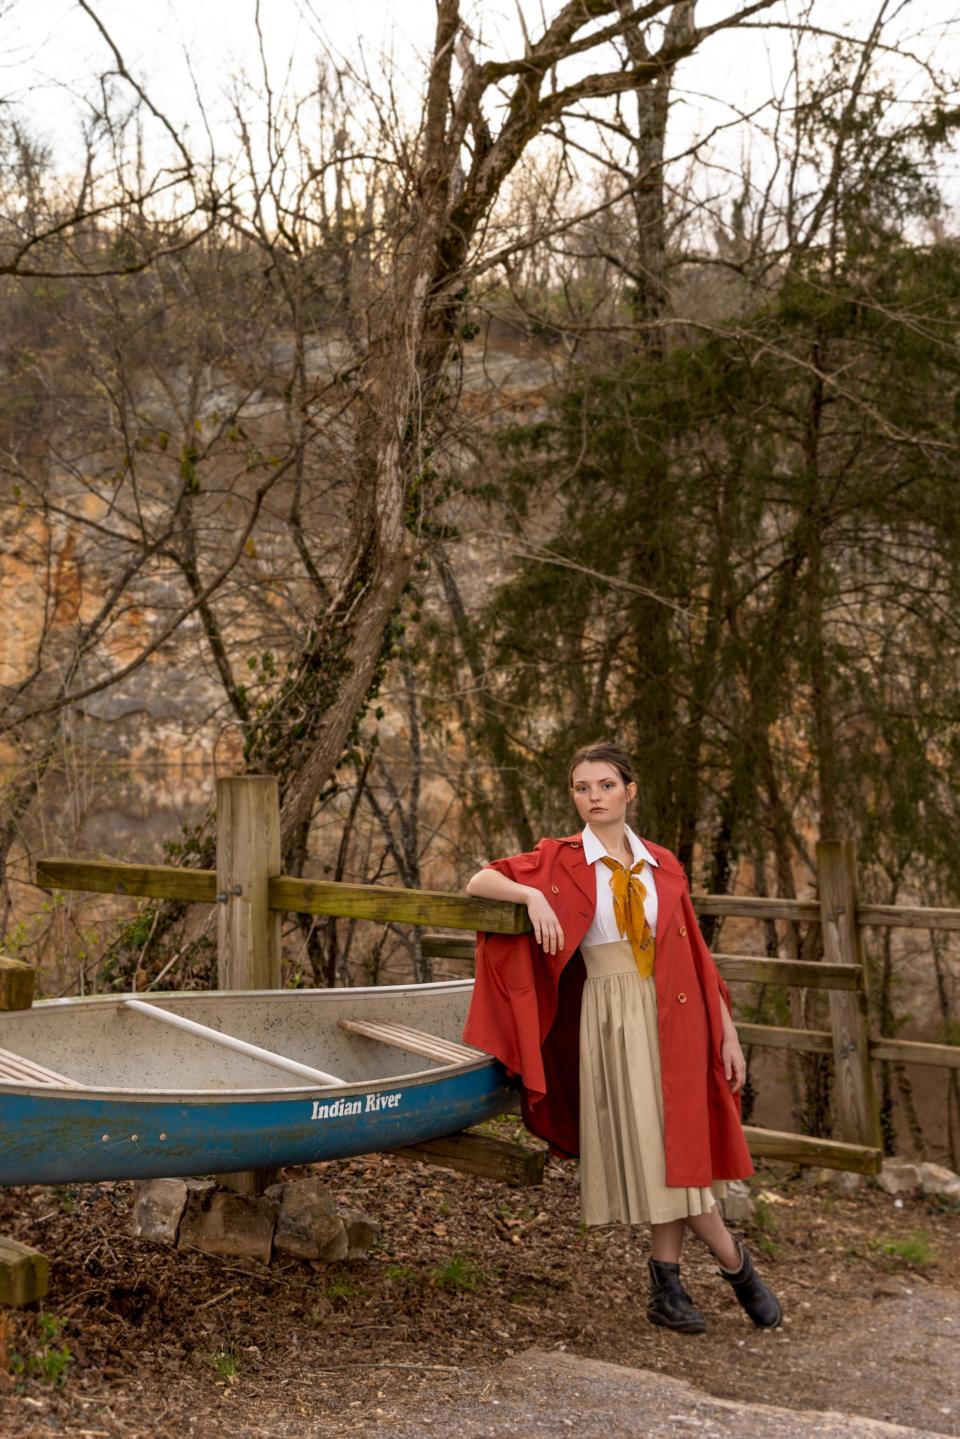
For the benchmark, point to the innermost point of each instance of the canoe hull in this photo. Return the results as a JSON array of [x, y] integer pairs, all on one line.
[[56, 1138]]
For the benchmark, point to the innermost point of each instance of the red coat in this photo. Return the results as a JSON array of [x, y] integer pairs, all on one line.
[[525, 1011]]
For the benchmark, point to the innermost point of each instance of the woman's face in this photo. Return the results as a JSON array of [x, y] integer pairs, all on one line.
[[600, 795]]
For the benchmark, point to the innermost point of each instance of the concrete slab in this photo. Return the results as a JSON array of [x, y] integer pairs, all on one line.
[[551, 1394]]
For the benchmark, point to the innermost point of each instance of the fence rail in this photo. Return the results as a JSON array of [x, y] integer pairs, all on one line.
[[251, 894]]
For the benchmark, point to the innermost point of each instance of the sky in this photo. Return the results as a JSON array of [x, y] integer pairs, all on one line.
[[52, 52]]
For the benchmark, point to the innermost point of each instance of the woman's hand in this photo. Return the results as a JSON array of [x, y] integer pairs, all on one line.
[[734, 1064], [546, 926]]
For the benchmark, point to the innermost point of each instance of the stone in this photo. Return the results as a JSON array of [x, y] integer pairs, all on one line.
[[848, 1181], [936, 1179], [738, 1205], [158, 1206], [24, 1273], [308, 1225], [898, 1176], [218, 1221], [361, 1232]]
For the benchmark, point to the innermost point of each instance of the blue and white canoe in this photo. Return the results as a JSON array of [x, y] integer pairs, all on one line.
[[131, 1087]]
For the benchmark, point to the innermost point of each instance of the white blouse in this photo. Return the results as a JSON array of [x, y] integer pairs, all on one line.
[[604, 929]]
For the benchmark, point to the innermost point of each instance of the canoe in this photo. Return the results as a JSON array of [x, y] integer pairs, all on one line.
[[132, 1087]]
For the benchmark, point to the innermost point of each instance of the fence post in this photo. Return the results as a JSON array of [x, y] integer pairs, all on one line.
[[248, 931], [858, 1112]]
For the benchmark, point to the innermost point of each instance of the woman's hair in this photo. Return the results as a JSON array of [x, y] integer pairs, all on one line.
[[603, 752]]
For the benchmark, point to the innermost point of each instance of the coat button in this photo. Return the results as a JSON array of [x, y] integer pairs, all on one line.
[[682, 930], [681, 997], [576, 844], [555, 889]]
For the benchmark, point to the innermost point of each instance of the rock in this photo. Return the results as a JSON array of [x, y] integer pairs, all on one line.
[[158, 1206], [818, 1176], [737, 1204], [361, 1232], [308, 1225], [898, 1176], [218, 1221], [937, 1180], [846, 1180]]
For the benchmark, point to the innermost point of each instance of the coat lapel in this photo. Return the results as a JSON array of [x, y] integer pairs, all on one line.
[[583, 874], [670, 884]]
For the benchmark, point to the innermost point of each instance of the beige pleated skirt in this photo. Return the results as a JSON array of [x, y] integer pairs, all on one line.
[[622, 1165]]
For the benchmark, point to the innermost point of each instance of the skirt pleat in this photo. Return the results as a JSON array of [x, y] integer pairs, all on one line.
[[622, 1162]]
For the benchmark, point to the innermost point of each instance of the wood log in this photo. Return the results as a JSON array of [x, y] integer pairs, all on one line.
[[908, 916], [148, 881], [473, 1153], [16, 983], [916, 1051], [751, 907], [24, 1273], [856, 1097], [775, 1036], [806, 1149], [385, 903], [248, 930]]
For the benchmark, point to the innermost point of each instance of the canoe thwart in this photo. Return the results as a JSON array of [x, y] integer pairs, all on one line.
[[415, 1041], [230, 1041], [17, 1070]]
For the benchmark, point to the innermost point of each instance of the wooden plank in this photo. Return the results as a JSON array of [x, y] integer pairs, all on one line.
[[806, 1149], [16, 983], [751, 907], [743, 968], [149, 881], [403, 906], [414, 1041], [915, 1051], [248, 930], [24, 1273], [760, 970], [909, 916], [24, 1071], [774, 1036], [854, 1090], [444, 946], [473, 1153]]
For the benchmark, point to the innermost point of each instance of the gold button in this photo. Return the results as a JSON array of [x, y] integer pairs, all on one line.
[[555, 888], [682, 997], [682, 930], [576, 844]]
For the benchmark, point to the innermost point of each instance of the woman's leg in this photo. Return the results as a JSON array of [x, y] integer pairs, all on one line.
[[711, 1230], [666, 1241]]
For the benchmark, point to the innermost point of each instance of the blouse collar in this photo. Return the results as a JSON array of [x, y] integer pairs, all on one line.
[[593, 847]]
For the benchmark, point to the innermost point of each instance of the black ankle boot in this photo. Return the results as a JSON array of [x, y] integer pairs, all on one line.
[[670, 1304], [757, 1298]]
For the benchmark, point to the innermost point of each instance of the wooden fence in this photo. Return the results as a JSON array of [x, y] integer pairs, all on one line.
[[251, 894]]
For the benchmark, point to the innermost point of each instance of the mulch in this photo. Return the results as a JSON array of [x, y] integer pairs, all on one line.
[[137, 1339]]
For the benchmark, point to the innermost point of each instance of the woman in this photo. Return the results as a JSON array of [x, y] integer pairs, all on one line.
[[615, 1018]]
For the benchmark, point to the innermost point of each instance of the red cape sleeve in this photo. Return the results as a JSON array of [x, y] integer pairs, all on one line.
[[503, 1015]]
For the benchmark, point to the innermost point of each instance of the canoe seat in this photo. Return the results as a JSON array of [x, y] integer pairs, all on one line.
[[17, 1070], [415, 1041]]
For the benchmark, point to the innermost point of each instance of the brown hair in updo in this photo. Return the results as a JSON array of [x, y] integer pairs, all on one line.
[[603, 752]]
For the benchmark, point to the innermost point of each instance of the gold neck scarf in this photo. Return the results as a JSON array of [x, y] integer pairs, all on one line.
[[628, 896]]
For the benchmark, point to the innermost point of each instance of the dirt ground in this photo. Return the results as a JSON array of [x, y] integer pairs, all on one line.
[[136, 1339]]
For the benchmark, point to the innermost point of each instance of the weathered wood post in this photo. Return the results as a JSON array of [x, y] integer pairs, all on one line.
[[858, 1112], [248, 931]]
